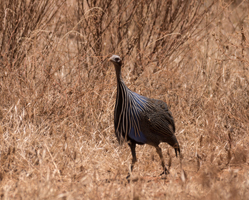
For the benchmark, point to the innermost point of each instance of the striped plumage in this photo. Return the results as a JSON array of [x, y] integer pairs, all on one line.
[[141, 120]]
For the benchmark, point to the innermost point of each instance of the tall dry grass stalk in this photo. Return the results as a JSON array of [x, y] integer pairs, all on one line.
[[57, 97]]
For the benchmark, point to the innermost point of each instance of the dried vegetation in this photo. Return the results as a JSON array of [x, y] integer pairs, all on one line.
[[57, 94]]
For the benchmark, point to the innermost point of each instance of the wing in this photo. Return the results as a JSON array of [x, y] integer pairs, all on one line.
[[160, 119]]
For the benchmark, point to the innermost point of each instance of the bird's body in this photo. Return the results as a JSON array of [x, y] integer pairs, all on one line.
[[141, 120]]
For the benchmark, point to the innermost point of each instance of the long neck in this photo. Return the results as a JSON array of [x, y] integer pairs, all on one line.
[[118, 73], [121, 87]]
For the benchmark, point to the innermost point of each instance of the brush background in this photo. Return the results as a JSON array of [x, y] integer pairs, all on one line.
[[57, 95]]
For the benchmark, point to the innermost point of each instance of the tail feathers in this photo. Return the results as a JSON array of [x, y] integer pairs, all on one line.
[[177, 148], [174, 143]]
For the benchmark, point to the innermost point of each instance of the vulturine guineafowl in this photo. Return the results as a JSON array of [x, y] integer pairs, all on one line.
[[141, 120]]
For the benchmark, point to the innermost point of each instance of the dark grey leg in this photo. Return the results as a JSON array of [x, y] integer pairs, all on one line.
[[134, 158], [159, 151]]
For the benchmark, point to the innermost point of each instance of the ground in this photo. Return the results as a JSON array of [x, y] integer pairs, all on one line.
[[58, 92]]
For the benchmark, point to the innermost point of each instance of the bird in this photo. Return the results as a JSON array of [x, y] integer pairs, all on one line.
[[141, 120]]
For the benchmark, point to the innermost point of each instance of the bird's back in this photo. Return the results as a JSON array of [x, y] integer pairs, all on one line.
[[142, 120], [157, 123]]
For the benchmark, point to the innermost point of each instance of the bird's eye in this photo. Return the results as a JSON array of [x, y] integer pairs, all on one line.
[[117, 60]]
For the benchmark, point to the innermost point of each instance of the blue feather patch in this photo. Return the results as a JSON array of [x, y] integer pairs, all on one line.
[[140, 138]]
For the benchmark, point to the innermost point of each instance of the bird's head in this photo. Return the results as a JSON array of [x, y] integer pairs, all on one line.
[[116, 60]]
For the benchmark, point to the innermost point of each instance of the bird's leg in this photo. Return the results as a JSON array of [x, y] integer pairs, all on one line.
[[159, 151], [134, 158]]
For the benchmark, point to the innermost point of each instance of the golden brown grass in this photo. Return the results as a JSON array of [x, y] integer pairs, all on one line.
[[57, 95]]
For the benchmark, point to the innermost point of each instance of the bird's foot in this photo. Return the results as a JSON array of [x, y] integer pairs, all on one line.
[[130, 178], [165, 172]]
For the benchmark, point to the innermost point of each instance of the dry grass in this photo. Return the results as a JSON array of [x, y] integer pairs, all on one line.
[[57, 94]]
